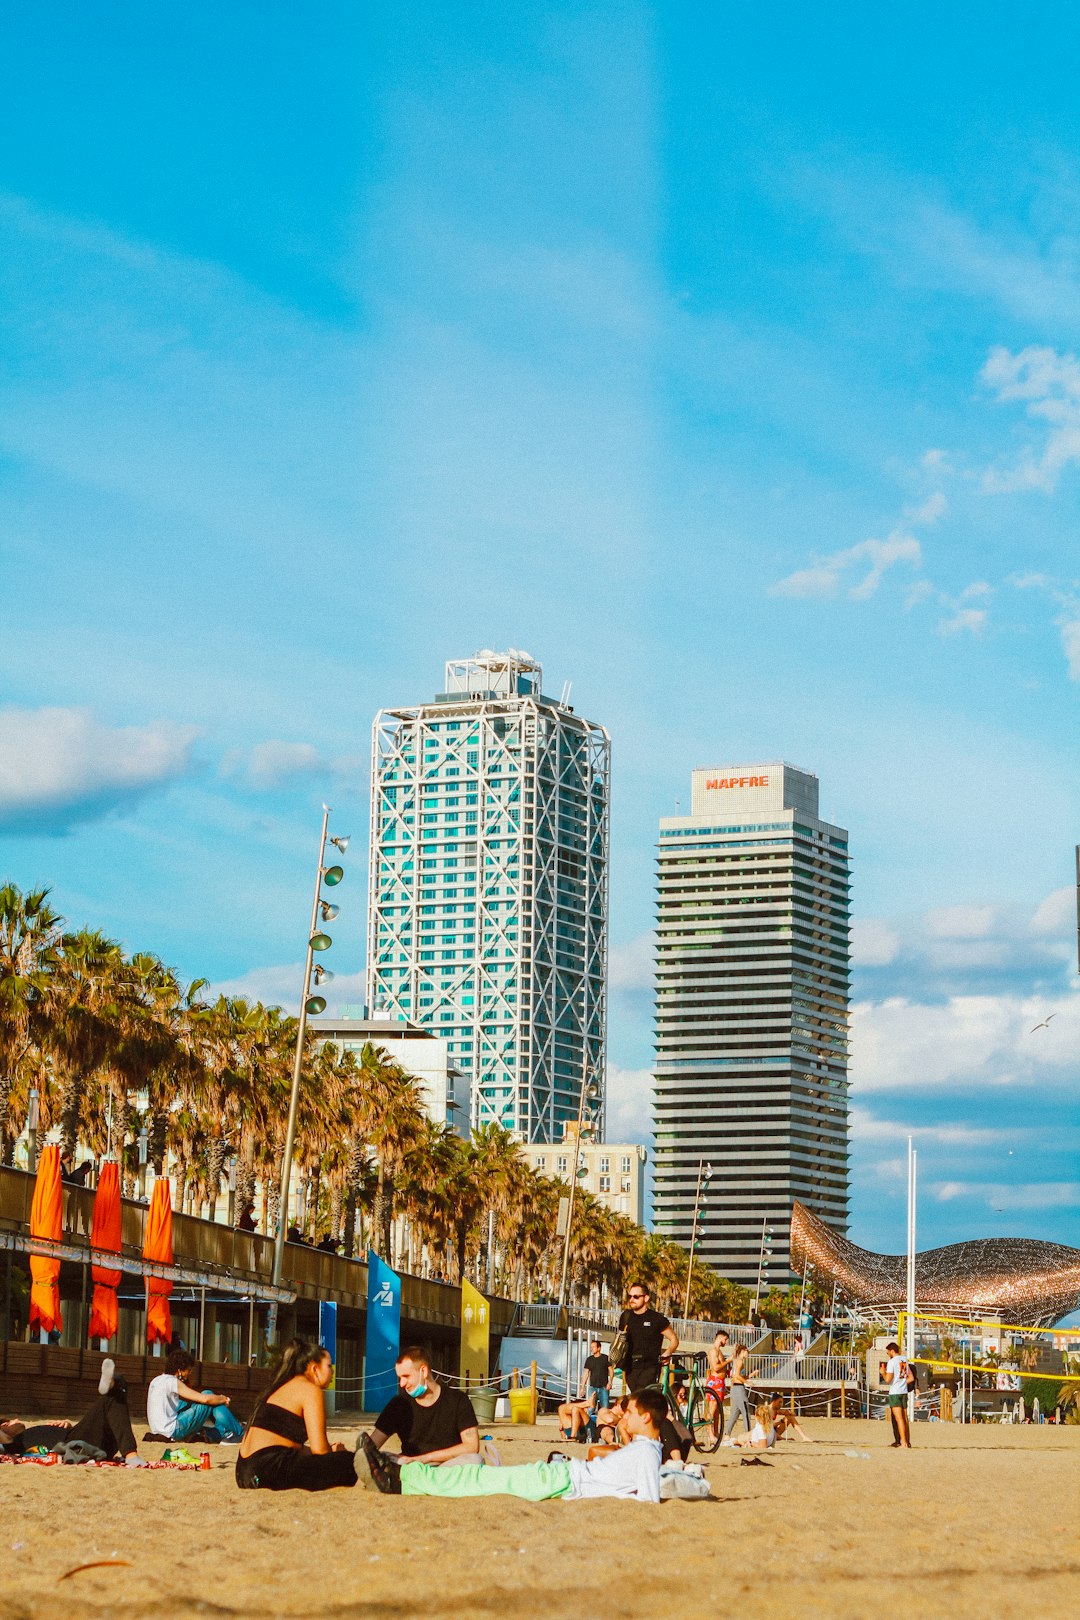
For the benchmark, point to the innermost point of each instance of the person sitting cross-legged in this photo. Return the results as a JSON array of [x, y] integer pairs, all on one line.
[[632, 1471], [435, 1425], [177, 1412]]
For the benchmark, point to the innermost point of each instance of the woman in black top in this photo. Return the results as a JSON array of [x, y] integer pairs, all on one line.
[[285, 1445]]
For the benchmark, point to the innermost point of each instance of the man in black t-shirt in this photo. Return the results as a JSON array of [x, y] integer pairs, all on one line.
[[650, 1337], [596, 1374], [434, 1425]]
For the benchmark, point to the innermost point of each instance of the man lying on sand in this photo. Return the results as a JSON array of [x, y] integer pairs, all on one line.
[[104, 1430], [633, 1471]]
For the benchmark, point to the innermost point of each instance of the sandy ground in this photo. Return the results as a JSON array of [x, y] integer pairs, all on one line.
[[972, 1521]]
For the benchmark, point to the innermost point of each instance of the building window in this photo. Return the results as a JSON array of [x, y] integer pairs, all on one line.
[[561, 1165], [626, 1183], [625, 1164], [541, 1161], [605, 1184], [605, 1166]]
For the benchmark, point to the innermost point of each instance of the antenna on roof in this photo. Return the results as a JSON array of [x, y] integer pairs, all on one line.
[[565, 699]]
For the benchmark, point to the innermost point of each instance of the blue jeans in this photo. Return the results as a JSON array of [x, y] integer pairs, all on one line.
[[190, 1419]]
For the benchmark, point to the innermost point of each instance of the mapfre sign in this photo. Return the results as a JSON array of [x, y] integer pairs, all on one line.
[[736, 782]]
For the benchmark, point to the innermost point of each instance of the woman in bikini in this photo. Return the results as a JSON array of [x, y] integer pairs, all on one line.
[[285, 1446]]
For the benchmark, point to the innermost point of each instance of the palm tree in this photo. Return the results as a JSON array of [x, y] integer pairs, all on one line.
[[29, 934]]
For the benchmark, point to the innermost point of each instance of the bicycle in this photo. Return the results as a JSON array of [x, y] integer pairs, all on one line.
[[703, 1412]]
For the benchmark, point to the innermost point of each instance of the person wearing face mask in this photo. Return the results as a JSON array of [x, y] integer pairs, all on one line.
[[435, 1425]]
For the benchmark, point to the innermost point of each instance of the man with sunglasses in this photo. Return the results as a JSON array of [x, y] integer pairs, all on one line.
[[650, 1339]]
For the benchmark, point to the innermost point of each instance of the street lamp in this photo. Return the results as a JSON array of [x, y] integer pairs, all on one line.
[[590, 1091], [704, 1176], [309, 1005], [763, 1259]]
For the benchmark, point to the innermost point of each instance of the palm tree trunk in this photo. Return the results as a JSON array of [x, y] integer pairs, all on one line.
[[7, 1140]]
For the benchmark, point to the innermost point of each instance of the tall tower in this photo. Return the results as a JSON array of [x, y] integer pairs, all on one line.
[[489, 887], [751, 1014]]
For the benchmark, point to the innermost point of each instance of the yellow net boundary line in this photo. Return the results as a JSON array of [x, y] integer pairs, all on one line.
[[1064, 1339]]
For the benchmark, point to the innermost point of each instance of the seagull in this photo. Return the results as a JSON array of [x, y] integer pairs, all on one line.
[[1045, 1023]]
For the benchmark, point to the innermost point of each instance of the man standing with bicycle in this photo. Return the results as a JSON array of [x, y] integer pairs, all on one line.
[[650, 1339]]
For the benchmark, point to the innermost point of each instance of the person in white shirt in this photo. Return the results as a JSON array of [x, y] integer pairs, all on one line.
[[179, 1412], [633, 1471], [894, 1373]]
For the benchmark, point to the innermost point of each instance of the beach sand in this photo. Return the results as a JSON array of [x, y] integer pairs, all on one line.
[[972, 1521]]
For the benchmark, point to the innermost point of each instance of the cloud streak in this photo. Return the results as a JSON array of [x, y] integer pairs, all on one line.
[[826, 575]]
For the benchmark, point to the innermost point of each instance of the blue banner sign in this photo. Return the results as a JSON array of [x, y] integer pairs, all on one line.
[[328, 1340], [383, 1333]]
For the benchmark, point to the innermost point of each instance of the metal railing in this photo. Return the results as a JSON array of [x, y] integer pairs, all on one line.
[[806, 1370]]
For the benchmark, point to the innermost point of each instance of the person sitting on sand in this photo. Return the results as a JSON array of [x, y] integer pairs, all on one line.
[[177, 1412], [285, 1445], [104, 1430], [435, 1425], [631, 1471], [575, 1419], [786, 1422], [762, 1435]]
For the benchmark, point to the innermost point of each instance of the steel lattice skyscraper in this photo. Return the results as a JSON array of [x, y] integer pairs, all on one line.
[[489, 887], [751, 1014]]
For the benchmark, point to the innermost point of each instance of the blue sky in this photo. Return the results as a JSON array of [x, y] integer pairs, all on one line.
[[724, 360]]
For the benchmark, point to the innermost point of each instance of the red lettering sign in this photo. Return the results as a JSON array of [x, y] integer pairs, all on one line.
[[736, 781]]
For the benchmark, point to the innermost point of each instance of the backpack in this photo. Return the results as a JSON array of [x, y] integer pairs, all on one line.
[[619, 1354]]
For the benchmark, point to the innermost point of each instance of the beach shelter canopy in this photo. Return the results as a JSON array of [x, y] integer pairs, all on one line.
[[46, 1221], [105, 1234], [158, 1246]]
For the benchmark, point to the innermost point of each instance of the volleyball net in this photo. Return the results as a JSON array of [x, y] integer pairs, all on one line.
[[948, 1344]]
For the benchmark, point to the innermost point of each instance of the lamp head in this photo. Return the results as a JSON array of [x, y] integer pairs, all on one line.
[[332, 875], [341, 844], [321, 973], [320, 942], [314, 1005], [329, 910]]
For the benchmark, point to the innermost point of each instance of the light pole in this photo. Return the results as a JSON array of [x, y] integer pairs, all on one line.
[[588, 1091], [909, 1321], [704, 1176], [317, 941], [32, 1130], [763, 1263]]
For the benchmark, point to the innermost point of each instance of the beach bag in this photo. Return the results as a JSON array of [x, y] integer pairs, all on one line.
[[619, 1354], [685, 1484], [910, 1377]]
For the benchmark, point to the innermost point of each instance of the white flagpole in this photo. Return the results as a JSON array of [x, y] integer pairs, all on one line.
[[909, 1325]]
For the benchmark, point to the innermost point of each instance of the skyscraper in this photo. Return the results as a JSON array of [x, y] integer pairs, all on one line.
[[488, 887], [751, 1014]]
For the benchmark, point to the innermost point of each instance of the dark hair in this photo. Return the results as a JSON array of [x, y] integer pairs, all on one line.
[[178, 1361], [297, 1356], [651, 1403], [414, 1353], [892, 1345], [645, 1289], [594, 1341]]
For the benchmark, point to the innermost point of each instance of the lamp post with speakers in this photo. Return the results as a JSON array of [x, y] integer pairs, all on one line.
[[311, 1004], [704, 1176]]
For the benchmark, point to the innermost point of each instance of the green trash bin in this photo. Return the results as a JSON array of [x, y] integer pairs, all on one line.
[[483, 1400]]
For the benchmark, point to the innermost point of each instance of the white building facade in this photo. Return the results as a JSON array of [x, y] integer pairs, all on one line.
[[488, 888], [751, 1015], [613, 1172], [417, 1051]]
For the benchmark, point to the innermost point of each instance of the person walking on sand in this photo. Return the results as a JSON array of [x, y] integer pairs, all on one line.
[[894, 1372], [650, 1338], [740, 1378], [285, 1445]]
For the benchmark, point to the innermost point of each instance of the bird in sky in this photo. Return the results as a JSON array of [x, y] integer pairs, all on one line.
[[1045, 1023]]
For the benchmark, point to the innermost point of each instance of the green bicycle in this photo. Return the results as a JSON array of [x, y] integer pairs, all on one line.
[[693, 1402]]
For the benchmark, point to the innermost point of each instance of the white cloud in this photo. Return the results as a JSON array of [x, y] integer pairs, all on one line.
[[1056, 914], [1001, 1196], [1070, 641], [633, 966], [868, 1127], [279, 986], [825, 577], [272, 764], [629, 1104], [1048, 385], [61, 766], [937, 461], [928, 511], [961, 922], [965, 1042], [873, 942], [972, 620]]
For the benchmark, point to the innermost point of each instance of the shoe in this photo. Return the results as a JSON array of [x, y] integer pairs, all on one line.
[[108, 1373], [556, 1456], [180, 1454], [228, 1439], [375, 1471]]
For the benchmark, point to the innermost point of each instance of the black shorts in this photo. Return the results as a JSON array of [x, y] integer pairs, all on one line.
[[640, 1374]]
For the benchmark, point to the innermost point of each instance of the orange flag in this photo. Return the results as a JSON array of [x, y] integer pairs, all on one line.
[[157, 1245], [105, 1234], [46, 1221]]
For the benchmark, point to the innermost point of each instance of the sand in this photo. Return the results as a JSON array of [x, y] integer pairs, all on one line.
[[972, 1521]]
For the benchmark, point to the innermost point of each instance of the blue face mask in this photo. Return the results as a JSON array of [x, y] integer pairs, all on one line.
[[415, 1394]]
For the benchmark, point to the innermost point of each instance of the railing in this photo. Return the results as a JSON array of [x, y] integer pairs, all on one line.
[[544, 1319], [807, 1370]]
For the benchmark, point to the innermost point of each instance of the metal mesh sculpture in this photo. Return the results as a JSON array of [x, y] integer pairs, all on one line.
[[1022, 1279]]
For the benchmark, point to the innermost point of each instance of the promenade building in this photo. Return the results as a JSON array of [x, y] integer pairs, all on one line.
[[613, 1172], [419, 1052], [751, 1015], [488, 888]]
